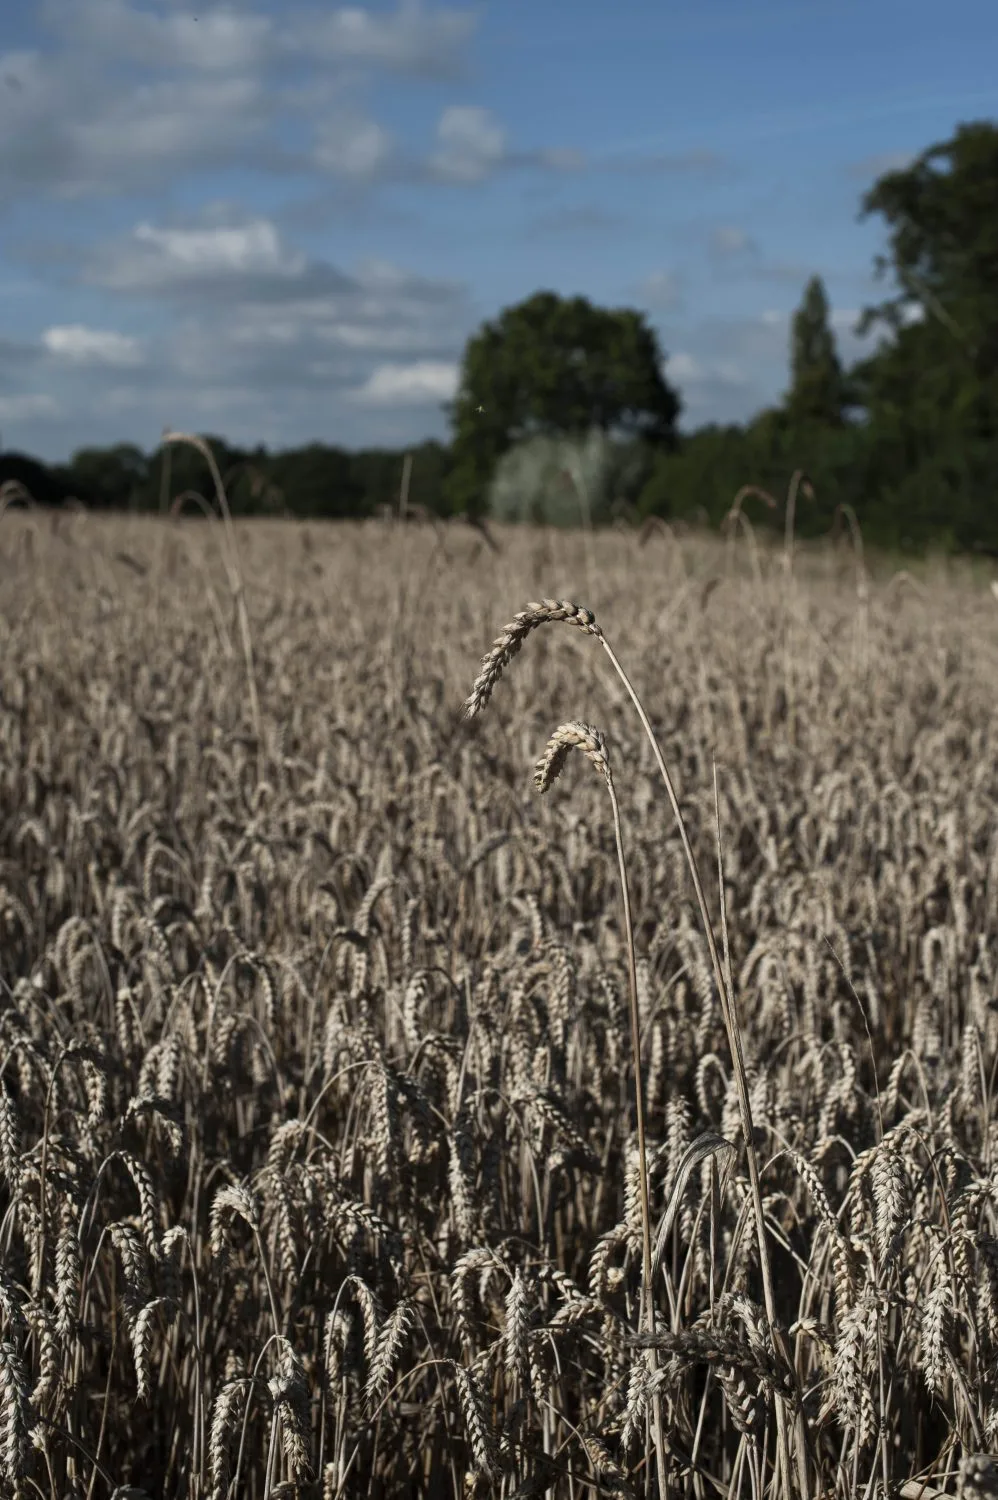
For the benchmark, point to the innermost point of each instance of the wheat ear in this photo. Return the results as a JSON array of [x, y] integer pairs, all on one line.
[[507, 644]]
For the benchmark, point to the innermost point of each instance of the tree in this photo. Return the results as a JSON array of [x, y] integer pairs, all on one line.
[[45, 485], [554, 366], [944, 244], [818, 393], [378, 471], [317, 480], [930, 391], [116, 476]]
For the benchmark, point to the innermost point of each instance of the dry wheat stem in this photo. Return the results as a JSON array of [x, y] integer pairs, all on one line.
[[592, 743]]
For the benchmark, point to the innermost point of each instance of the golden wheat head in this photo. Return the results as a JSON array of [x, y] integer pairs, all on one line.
[[506, 645], [566, 737]]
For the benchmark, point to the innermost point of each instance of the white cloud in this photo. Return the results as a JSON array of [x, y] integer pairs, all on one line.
[[153, 258], [253, 311], [685, 368], [123, 89], [234, 37], [413, 39], [218, 38], [682, 366], [77, 131], [416, 384], [186, 122], [356, 148], [82, 345], [472, 143]]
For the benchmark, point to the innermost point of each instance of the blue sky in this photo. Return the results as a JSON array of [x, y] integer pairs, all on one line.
[[280, 222]]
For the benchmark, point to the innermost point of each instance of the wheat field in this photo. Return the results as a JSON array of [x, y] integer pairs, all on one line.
[[319, 1116]]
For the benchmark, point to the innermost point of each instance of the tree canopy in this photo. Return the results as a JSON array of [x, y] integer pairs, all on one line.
[[555, 367], [818, 390]]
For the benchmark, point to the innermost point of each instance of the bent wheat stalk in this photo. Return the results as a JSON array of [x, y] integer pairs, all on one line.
[[592, 743], [494, 663]]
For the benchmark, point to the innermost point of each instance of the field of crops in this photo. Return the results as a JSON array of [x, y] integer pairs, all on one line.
[[319, 1117]]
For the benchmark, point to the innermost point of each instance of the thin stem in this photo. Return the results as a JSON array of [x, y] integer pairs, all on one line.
[[730, 1017], [647, 1302]]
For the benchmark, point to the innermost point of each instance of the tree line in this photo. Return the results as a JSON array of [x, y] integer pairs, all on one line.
[[563, 411]]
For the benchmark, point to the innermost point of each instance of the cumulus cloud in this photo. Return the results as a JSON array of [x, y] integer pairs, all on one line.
[[234, 256], [75, 131], [415, 39], [218, 39], [472, 143], [230, 319], [122, 90], [356, 148], [253, 313], [81, 345], [714, 386], [683, 366], [188, 122], [427, 381], [126, 94]]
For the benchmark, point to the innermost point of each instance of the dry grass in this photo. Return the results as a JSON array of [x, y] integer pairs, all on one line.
[[318, 1112]]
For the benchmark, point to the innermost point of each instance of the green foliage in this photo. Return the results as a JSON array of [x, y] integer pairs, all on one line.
[[931, 390], [321, 479], [701, 475], [175, 468], [115, 477], [378, 471], [554, 367], [944, 244], [818, 390], [44, 485], [562, 481]]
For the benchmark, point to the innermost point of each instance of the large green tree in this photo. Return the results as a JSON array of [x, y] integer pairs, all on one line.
[[944, 244], [554, 366], [818, 392], [930, 391]]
